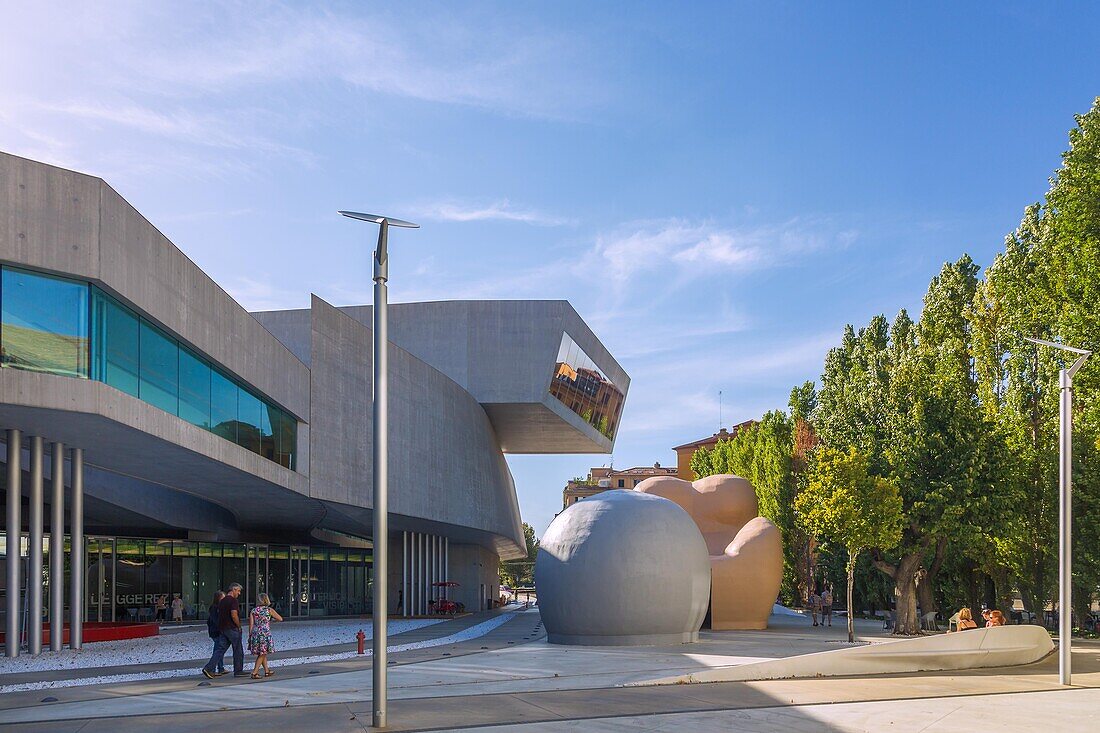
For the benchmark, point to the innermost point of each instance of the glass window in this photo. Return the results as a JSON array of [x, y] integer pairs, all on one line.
[[580, 385], [223, 405], [194, 389], [159, 368], [268, 421], [318, 597], [129, 589], [44, 323], [286, 436], [234, 567], [114, 343], [248, 420]]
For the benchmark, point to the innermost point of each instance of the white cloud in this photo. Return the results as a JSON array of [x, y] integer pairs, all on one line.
[[129, 89], [699, 250], [497, 211]]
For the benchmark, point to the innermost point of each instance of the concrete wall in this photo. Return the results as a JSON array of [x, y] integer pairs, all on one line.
[[445, 462], [501, 352], [473, 566]]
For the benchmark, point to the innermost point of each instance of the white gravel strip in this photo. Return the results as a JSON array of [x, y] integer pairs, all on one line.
[[465, 635], [188, 646]]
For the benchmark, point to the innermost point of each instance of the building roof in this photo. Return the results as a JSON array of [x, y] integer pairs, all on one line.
[[639, 470], [722, 434]]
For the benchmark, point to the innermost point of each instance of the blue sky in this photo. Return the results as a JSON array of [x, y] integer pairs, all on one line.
[[716, 187]]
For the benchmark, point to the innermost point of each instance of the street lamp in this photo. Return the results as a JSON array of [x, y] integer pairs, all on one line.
[[1065, 496], [381, 461]]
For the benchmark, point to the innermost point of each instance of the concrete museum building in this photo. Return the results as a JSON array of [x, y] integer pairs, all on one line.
[[163, 440]]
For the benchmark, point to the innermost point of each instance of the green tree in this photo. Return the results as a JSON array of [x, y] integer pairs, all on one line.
[[521, 572], [763, 454], [843, 503]]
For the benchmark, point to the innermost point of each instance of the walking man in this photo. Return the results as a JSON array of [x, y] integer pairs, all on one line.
[[229, 624], [827, 605]]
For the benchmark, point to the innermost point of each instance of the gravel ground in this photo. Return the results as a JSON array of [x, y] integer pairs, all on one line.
[[196, 645], [465, 635]]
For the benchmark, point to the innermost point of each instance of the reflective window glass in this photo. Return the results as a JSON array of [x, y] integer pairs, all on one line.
[[44, 323], [268, 421], [248, 420], [194, 389], [114, 343], [223, 405], [286, 437], [580, 385], [158, 367]]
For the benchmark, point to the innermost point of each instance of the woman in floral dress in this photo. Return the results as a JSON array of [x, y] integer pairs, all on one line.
[[260, 642]]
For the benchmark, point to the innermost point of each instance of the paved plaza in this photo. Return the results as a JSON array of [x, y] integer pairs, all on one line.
[[495, 671]]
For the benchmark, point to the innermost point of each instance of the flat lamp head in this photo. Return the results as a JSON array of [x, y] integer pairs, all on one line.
[[378, 219], [1055, 345]]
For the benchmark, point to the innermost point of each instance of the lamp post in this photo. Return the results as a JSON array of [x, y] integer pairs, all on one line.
[[1065, 509], [380, 470]]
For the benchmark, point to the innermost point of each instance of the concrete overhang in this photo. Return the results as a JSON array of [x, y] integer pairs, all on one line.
[[344, 518], [123, 435], [502, 352]]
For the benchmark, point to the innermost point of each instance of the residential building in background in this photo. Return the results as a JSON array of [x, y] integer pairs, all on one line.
[[687, 450], [605, 478]]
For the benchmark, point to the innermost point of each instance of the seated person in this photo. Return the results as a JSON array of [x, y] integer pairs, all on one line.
[[966, 621]]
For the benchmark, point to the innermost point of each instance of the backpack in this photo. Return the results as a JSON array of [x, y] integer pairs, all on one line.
[[212, 623]]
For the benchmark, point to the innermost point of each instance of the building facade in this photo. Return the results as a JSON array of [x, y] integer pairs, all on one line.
[[685, 452], [188, 443], [605, 478]]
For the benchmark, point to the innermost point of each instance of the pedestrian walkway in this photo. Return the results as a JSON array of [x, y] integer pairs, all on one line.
[[183, 649], [510, 678], [474, 633]]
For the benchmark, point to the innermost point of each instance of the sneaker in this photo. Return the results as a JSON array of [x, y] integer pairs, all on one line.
[[221, 673], [241, 674], [208, 674]]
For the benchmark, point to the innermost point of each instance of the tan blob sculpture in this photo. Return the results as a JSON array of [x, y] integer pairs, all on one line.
[[746, 550]]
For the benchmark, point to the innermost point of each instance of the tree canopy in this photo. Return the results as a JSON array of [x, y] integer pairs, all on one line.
[[960, 414]]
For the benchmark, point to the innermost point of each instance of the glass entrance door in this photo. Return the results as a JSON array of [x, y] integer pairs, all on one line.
[[256, 574], [99, 553], [299, 581]]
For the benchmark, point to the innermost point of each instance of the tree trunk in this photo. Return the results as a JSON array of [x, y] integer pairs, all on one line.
[[851, 584], [926, 588], [925, 598], [906, 621]]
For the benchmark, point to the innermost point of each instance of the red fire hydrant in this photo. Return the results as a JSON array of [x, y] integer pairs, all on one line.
[[362, 639]]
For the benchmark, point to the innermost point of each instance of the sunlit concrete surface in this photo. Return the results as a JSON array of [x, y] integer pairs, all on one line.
[[1003, 646], [533, 666], [512, 679], [1060, 710]]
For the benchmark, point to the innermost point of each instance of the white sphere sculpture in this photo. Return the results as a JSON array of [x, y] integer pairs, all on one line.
[[623, 568]]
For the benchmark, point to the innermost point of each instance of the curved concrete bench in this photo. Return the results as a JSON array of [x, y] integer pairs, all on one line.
[[1002, 646]]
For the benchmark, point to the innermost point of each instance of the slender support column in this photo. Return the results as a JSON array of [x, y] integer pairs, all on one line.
[[1065, 525], [381, 475], [76, 553], [114, 576], [34, 552], [57, 549], [15, 529]]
